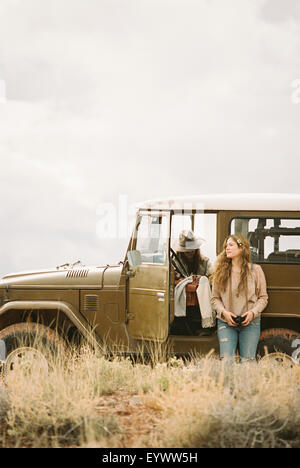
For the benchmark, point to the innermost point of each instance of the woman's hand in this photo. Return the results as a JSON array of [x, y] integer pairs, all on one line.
[[249, 317], [228, 318]]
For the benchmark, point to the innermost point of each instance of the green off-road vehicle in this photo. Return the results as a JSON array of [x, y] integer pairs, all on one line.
[[131, 305]]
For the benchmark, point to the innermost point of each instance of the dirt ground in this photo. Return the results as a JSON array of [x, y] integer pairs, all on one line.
[[136, 418]]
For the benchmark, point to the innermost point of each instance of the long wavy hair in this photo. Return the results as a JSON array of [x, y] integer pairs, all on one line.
[[223, 264], [191, 266]]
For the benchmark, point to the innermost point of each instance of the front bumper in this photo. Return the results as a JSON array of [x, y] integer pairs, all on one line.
[[2, 353]]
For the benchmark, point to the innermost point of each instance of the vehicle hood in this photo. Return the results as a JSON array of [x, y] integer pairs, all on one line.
[[66, 276]]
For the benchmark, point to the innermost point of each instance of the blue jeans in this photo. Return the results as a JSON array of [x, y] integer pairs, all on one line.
[[246, 337]]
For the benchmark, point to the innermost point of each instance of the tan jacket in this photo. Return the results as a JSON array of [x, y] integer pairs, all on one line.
[[257, 295]]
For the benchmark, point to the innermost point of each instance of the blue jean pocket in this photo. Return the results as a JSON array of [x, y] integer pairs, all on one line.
[[255, 322]]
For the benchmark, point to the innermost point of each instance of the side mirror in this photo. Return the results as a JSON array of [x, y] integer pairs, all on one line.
[[134, 258]]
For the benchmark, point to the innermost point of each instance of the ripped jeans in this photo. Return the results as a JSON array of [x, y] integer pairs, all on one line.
[[246, 337]]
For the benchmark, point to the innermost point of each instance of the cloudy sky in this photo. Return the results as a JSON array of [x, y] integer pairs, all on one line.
[[109, 100]]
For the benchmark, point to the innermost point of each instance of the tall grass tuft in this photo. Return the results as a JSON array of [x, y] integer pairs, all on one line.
[[200, 403], [247, 405]]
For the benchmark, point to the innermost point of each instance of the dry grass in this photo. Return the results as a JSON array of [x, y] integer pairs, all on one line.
[[238, 406], [86, 400]]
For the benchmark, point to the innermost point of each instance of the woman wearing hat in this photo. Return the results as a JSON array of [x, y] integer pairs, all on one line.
[[198, 268], [188, 251]]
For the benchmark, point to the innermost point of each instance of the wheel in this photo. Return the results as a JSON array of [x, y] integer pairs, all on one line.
[[279, 359], [29, 347], [279, 345], [29, 360]]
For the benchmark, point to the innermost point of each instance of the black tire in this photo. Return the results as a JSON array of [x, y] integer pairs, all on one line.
[[31, 337], [279, 340]]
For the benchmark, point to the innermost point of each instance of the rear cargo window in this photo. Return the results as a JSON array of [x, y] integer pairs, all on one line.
[[272, 240]]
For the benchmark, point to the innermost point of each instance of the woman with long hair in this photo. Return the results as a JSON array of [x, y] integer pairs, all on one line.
[[239, 295], [198, 269]]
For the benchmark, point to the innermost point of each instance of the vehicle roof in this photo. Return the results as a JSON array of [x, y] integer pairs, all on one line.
[[227, 201]]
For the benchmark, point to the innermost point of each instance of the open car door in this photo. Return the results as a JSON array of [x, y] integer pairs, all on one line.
[[148, 285]]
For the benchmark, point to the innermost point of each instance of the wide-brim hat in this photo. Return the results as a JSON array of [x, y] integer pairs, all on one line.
[[187, 241]]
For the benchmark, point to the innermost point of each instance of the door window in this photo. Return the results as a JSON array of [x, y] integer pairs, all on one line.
[[152, 238], [203, 224]]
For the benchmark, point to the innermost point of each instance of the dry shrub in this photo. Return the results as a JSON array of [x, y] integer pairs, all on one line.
[[60, 408], [204, 403], [233, 406]]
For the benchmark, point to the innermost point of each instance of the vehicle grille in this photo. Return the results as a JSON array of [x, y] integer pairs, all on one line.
[[91, 302]]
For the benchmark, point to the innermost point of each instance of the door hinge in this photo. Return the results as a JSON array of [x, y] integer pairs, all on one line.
[[130, 273]]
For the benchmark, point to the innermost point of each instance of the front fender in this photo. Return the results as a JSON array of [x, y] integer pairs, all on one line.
[[64, 307]]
